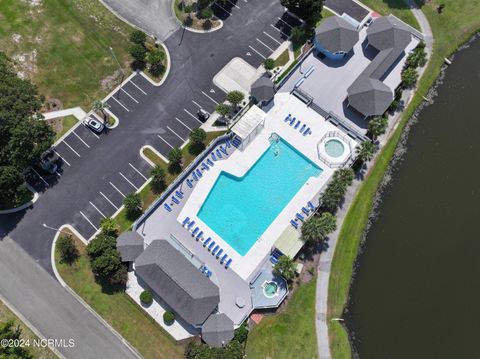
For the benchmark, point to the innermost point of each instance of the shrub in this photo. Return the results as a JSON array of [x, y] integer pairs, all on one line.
[[298, 36], [168, 317], [207, 24], [188, 9], [333, 194], [158, 179], [146, 297], [109, 227], [417, 58], [188, 21], [365, 151], [98, 245], [138, 37], [67, 249], [138, 52], [235, 97], [205, 13], [269, 64], [133, 204], [155, 59], [316, 228], [241, 333], [106, 264], [285, 267], [377, 126], [223, 109], [409, 77]]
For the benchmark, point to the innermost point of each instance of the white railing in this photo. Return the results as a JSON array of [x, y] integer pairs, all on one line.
[[330, 163]]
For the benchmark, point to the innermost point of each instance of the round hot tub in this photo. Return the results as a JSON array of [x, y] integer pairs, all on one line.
[[270, 289], [334, 148]]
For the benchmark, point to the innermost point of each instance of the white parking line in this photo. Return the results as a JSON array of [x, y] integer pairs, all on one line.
[[238, 7], [134, 84], [65, 142], [176, 134], [270, 36], [117, 189], [126, 179], [86, 144], [210, 98], [104, 216], [63, 159], [93, 133], [38, 174], [140, 173], [121, 104], [194, 117], [257, 52], [196, 104], [86, 218], [268, 47], [228, 12], [109, 201], [286, 23], [133, 98], [160, 137], [183, 123], [276, 28]]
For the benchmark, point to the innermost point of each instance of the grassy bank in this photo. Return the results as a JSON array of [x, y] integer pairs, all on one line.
[[290, 334], [457, 24], [118, 309], [27, 334], [395, 7], [63, 46]]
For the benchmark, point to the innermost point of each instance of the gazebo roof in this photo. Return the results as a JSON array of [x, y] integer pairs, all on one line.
[[130, 245], [336, 34], [217, 330], [262, 89]]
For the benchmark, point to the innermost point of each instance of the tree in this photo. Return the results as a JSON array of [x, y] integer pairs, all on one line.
[[109, 226], [377, 126], [197, 137], [10, 332], [158, 179], [138, 52], [366, 151], [316, 228], [105, 260], [138, 37], [133, 204], [107, 264], [175, 158], [285, 267], [155, 58], [67, 249], [241, 333], [223, 109], [308, 10], [98, 245], [418, 57], [409, 77], [269, 64], [100, 106], [335, 191], [298, 36], [10, 181], [205, 13], [235, 97]]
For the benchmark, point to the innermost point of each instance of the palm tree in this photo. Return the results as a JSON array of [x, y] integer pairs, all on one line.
[[175, 158], [366, 151], [285, 267], [235, 97], [409, 77], [158, 179], [316, 228], [223, 109], [99, 105], [377, 126]]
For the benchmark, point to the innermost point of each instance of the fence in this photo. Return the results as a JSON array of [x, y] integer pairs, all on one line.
[[345, 139]]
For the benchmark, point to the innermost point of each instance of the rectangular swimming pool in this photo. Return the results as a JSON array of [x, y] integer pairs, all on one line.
[[240, 209]]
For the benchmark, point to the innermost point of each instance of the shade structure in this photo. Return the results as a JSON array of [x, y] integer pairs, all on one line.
[[217, 330], [336, 34], [130, 245], [262, 89]]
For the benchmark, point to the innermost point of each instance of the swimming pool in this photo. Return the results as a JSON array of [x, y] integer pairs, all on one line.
[[240, 209]]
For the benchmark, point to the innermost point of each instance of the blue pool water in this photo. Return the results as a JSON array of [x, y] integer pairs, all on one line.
[[240, 209]]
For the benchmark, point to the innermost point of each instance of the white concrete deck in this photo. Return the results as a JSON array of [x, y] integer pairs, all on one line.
[[241, 161]]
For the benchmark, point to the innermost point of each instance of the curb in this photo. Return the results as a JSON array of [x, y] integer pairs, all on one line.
[[154, 151], [190, 29], [36, 196]]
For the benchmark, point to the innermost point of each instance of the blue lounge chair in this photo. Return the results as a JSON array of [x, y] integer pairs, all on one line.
[[273, 260], [303, 128], [219, 154], [294, 224], [207, 241], [167, 207], [208, 273], [194, 176], [191, 224], [223, 150], [189, 183], [310, 204], [209, 162], [223, 258], [215, 249], [195, 231], [227, 142], [199, 173], [214, 157], [288, 117], [185, 221], [219, 253], [299, 216], [199, 235], [205, 166], [178, 194], [297, 124], [211, 245], [174, 200], [292, 121], [236, 142], [228, 263], [306, 211]]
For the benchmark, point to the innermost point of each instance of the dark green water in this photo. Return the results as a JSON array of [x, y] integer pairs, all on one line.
[[417, 289]]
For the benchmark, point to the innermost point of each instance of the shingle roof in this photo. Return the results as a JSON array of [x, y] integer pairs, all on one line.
[[336, 34], [177, 281], [262, 89], [368, 94], [130, 245], [217, 331]]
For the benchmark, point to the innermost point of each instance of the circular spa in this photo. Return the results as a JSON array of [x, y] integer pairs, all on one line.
[[270, 289], [334, 148]]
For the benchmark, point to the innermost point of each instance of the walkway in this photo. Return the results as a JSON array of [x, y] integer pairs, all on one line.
[[324, 265]]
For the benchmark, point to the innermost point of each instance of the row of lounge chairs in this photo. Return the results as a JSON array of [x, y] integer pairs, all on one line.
[[301, 217], [292, 121], [208, 243], [176, 198], [206, 271]]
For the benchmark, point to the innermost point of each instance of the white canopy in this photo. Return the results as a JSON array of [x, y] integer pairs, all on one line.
[[249, 122]]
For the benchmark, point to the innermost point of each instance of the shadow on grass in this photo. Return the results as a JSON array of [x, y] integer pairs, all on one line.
[[196, 148]]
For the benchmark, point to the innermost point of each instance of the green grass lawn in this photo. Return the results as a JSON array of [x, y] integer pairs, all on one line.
[[63, 46], [119, 310], [282, 59], [290, 334], [395, 7], [461, 18], [27, 334], [67, 123]]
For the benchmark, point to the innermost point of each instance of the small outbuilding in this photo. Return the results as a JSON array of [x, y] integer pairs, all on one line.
[[335, 37], [130, 245], [217, 330], [262, 89]]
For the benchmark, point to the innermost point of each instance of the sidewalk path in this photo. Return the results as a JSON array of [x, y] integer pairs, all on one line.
[[75, 111], [324, 265]]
